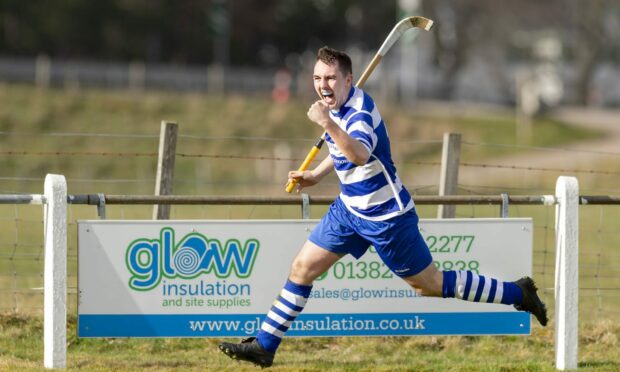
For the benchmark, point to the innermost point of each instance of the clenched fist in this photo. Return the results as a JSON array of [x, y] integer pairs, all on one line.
[[319, 113]]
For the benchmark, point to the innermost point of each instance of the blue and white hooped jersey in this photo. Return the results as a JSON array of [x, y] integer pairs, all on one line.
[[372, 191]]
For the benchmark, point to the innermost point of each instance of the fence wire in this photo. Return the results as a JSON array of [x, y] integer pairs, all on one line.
[[22, 252]]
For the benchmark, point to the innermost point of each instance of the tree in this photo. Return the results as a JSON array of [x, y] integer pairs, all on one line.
[[596, 26]]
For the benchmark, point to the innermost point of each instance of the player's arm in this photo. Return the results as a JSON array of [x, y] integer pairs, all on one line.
[[310, 178], [351, 148]]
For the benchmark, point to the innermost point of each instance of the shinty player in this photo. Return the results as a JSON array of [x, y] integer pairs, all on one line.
[[373, 208]]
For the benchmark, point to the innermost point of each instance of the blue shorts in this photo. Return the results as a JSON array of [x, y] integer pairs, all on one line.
[[398, 240]]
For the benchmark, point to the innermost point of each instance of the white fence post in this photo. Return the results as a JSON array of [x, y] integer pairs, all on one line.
[[55, 280], [566, 272]]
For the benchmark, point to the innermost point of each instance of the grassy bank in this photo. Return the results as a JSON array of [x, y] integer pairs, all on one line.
[[228, 144]]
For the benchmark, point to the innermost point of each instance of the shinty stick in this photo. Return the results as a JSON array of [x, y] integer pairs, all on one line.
[[400, 28]]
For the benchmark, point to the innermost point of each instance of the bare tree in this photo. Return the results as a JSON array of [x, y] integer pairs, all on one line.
[[450, 40], [459, 27], [596, 27]]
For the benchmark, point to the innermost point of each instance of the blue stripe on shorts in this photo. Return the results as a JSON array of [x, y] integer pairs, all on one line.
[[398, 240]]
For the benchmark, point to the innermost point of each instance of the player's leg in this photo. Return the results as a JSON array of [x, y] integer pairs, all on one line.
[[403, 249], [331, 239], [471, 286], [428, 282], [309, 263]]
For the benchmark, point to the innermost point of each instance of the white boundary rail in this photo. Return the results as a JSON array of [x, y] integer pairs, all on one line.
[[55, 199]]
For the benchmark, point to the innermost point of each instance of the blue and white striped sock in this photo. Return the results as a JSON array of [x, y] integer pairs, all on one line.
[[468, 286], [284, 310]]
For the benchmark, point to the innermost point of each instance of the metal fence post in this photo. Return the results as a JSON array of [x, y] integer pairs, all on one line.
[[55, 272], [101, 206], [566, 272], [450, 158], [503, 210], [305, 206], [165, 167]]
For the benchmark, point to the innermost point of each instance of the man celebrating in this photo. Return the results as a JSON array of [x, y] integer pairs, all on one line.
[[373, 208]]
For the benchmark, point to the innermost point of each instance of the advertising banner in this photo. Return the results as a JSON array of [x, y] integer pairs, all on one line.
[[219, 279]]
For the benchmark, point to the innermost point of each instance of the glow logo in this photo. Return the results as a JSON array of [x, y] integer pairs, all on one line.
[[150, 260]]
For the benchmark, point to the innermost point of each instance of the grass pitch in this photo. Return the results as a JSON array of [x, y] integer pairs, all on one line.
[[21, 348]]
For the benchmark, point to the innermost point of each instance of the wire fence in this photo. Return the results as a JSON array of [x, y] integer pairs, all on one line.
[[21, 253], [243, 165], [285, 154]]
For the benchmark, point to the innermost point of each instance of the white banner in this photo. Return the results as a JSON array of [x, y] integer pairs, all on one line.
[[219, 278]]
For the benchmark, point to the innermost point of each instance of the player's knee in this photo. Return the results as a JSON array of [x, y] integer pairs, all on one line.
[[301, 272], [300, 266]]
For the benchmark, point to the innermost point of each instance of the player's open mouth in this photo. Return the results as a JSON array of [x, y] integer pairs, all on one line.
[[328, 96]]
